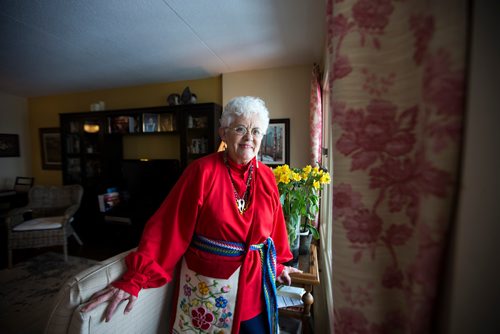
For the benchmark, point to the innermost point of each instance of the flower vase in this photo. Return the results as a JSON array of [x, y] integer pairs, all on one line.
[[293, 229], [305, 242]]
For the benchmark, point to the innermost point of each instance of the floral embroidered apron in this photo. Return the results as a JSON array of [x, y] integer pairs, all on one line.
[[207, 304]]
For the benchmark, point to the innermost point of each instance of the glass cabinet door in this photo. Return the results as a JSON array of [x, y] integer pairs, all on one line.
[[82, 148]]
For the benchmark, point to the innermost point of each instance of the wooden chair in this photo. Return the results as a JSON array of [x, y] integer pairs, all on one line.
[[46, 220], [23, 184]]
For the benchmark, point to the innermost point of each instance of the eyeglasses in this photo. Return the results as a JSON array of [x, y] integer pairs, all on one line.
[[240, 130]]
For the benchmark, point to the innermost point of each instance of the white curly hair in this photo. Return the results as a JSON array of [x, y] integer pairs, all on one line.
[[245, 106]]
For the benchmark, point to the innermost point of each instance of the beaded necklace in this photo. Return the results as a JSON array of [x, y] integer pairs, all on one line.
[[241, 203]]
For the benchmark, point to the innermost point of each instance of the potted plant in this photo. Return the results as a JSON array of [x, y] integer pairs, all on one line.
[[300, 191]]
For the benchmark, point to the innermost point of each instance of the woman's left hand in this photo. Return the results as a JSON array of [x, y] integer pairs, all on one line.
[[285, 275]]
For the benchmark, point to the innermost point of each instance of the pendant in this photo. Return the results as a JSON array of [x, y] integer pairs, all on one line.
[[240, 203]]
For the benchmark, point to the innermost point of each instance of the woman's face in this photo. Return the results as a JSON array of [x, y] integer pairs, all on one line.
[[243, 148]]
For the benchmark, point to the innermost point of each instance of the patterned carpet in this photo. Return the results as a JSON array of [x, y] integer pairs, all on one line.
[[26, 290]]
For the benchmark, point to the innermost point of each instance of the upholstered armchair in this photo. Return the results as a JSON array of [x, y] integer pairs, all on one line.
[[151, 313], [46, 220]]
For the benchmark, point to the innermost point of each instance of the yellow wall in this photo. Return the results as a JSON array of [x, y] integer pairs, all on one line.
[[285, 90], [286, 93], [158, 146], [44, 111]]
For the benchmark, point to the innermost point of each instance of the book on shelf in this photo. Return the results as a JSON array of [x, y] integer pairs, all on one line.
[[72, 144], [74, 127]]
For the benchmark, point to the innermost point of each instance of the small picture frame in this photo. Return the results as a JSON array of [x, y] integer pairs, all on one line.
[[200, 122], [167, 122], [50, 147], [119, 124], [9, 145], [150, 122], [275, 146]]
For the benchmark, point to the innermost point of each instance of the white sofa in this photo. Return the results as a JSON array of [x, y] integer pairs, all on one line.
[[150, 313]]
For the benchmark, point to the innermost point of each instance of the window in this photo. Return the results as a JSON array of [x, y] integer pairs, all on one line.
[[326, 214]]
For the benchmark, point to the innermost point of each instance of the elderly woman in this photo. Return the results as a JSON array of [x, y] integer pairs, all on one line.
[[223, 223]]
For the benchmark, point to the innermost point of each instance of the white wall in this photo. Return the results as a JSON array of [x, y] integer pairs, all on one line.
[[14, 120], [286, 93], [473, 284]]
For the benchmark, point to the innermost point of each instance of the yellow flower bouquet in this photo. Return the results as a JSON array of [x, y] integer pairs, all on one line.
[[300, 191]]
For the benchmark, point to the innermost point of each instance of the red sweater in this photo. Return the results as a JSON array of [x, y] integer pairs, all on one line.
[[203, 202]]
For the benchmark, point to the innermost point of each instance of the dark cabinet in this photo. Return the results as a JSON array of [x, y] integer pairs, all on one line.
[[93, 154], [85, 149], [92, 142], [199, 134]]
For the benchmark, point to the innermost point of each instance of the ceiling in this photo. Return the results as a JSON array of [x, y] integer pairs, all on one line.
[[58, 46]]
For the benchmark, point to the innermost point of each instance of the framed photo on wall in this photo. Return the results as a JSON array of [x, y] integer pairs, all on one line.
[[9, 145], [275, 146], [50, 142]]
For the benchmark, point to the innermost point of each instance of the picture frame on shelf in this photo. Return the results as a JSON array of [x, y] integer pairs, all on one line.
[[119, 124], [134, 124], [50, 148], [275, 146], [167, 122], [200, 122], [150, 122], [9, 145]]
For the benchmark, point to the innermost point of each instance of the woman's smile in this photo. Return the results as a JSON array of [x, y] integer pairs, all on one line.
[[242, 139]]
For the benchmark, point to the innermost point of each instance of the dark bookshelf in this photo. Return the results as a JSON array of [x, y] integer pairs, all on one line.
[[92, 155]]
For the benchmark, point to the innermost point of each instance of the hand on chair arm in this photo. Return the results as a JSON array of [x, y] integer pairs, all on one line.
[[112, 295]]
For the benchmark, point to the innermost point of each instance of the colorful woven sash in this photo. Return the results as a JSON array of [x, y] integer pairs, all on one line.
[[268, 260]]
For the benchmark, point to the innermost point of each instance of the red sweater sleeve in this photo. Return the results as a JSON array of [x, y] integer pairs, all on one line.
[[166, 236]]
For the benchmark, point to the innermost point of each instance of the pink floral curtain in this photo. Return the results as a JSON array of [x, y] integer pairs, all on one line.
[[396, 88], [315, 116]]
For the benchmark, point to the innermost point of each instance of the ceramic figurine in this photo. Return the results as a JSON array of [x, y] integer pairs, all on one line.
[[186, 96], [173, 99]]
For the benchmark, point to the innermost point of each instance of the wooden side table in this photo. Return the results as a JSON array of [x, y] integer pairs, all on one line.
[[309, 278]]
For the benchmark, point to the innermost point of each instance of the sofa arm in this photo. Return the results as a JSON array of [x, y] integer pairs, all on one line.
[[150, 313]]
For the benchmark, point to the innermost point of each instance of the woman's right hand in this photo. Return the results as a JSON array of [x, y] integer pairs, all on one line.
[[115, 296]]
